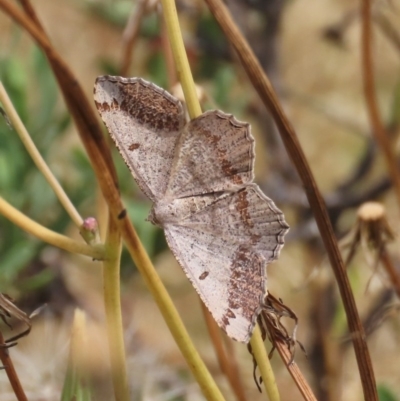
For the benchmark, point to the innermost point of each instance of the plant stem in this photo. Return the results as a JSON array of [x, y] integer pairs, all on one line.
[[263, 363], [381, 136], [49, 236], [226, 359], [37, 157], [294, 370], [181, 60], [194, 109], [391, 270], [112, 302], [267, 94], [10, 370]]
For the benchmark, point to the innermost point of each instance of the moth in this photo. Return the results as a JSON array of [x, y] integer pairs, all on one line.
[[199, 174]]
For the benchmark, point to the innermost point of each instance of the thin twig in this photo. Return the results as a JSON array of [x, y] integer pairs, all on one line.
[[292, 145], [378, 128], [294, 370], [10, 370], [391, 271], [37, 157], [49, 236]]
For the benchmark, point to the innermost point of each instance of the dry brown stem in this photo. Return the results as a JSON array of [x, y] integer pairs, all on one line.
[[10, 370], [378, 129], [292, 145], [270, 323], [8, 309]]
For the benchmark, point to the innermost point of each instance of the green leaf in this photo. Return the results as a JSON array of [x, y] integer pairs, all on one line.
[[385, 394]]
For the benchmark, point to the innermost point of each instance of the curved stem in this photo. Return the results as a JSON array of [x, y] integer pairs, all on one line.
[[37, 157], [267, 94], [49, 236], [378, 129]]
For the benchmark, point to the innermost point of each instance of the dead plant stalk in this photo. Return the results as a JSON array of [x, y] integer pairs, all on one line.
[[317, 204], [378, 129]]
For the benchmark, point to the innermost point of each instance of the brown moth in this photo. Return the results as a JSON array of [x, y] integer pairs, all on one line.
[[219, 225]]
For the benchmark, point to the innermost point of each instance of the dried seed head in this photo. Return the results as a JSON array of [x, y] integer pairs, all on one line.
[[373, 225], [371, 211]]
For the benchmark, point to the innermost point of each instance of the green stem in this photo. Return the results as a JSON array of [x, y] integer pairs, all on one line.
[[194, 109], [181, 61], [37, 157], [112, 302], [264, 365], [61, 241]]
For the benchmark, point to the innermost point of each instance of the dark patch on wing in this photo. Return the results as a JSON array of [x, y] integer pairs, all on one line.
[[104, 107], [246, 285], [134, 146], [203, 275], [149, 107]]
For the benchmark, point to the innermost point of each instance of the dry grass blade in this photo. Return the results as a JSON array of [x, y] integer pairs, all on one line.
[[317, 204]]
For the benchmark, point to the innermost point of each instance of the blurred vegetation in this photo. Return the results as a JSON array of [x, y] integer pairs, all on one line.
[[20, 181]]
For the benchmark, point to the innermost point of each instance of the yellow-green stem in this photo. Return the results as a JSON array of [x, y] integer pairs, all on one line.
[[171, 316], [264, 365], [37, 157], [194, 109], [180, 57], [207, 383], [46, 235], [112, 302]]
